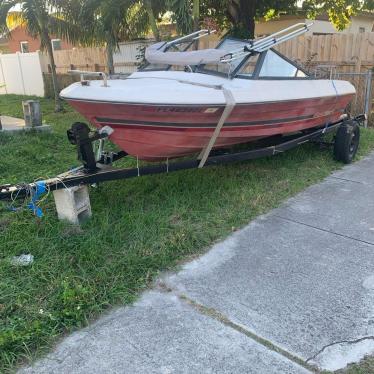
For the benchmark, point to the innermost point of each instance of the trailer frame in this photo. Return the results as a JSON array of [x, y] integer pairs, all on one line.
[[99, 169]]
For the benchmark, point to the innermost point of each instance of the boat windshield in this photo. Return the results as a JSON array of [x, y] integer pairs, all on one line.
[[263, 65], [229, 45]]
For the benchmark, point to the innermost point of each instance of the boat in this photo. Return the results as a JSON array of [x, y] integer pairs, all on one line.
[[185, 102]]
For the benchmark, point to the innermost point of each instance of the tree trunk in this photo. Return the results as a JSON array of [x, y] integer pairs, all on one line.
[[152, 20], [196, 20], [56, 89], [247, 16], [196, 15], [242, 15], [109, 57]]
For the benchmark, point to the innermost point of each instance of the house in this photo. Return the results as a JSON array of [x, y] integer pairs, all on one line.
[[360, 23], [20, 41]]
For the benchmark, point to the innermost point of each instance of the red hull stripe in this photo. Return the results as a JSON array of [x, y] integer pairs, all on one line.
[[115, 121]]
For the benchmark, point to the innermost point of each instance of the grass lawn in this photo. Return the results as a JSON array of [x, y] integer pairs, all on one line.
[[366, 366], [140, 227]]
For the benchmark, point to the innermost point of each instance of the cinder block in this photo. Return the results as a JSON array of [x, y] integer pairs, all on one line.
[[32, 113], [73, 204]]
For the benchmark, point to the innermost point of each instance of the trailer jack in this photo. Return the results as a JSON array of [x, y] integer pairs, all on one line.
[[81, 135]]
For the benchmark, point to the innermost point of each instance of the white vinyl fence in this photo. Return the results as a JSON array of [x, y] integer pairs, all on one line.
[[21, 73]]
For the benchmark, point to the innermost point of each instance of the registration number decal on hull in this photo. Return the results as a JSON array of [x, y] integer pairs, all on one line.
[[210, 110]]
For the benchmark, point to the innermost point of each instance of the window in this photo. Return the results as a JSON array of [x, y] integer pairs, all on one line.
[[361, 29], [24, 47], [275, 66], [300, 74], [248, 68], [56, 44], [228, 45]]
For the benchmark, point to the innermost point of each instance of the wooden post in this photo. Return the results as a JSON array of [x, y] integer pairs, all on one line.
[[368, 98]]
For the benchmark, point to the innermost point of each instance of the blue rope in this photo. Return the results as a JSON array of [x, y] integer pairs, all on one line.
[[40, 189]]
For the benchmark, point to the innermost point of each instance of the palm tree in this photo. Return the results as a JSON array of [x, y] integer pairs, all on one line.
[[42, 18], [149, 6], [111, 21], [186, 14], [196, 15], [181, 15]]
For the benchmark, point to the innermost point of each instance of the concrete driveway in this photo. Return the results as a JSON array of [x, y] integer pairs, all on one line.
[[293, 292]]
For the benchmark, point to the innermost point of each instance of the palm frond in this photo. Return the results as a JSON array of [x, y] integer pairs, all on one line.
[[181, 14], [36, 16], [15, 19], [64, 29], [5, 8]]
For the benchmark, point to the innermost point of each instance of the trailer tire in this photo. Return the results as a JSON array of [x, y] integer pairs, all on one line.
[[347, 140]]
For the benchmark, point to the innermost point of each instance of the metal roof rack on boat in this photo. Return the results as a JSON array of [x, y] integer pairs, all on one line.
[[190, 37], [257, 46], [263, 44], [159, 53]]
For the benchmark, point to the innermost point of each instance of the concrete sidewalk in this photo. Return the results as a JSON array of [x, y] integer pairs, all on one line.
[[293, 292]]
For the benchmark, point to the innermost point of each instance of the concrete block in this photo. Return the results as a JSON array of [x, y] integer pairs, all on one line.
[[32, 113], [73, 204]]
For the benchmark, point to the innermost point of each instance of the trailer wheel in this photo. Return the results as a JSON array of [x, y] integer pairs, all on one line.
[[347, 140]]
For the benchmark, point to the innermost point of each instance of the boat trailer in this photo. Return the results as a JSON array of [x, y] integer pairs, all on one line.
[[98, 168]]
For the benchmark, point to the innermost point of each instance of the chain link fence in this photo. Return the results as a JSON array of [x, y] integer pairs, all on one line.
[[363, 83]]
